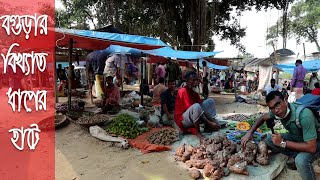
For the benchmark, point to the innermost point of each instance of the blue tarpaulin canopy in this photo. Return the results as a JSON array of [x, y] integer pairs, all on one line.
[[310, 65], [87, 39], [213, 66], [164, 52], [169, 52], [123, 50]]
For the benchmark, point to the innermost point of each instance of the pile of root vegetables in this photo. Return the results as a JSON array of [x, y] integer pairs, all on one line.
[[217, 157], [164, 137], [242, 117]]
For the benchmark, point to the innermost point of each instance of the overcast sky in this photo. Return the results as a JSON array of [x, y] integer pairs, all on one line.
[[256, 24]]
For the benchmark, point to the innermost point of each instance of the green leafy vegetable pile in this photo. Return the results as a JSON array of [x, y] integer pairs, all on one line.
[[125, 125]]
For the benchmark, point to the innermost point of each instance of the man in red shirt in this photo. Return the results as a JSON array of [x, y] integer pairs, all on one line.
[[190, 111], [316, 90]]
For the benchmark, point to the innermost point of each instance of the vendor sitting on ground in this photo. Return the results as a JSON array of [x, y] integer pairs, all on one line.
[[112, 94], [316, 90], [273, 87], [157, 90], [190, 111], [167, 104], [299, 143]]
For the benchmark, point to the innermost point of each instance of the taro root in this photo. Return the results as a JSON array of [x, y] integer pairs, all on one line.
[[239, 168], [195, 173], [262, 156], [163, 137], [180, 150]]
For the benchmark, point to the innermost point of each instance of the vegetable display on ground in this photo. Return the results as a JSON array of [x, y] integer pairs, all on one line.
[[125, 125], [219, 156]]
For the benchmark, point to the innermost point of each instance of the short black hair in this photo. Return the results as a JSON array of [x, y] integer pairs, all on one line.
[[204, 63], [109, 77], [272, 95], [299, 61], [189, 74], [273, 80], [316, 85], [171, 80], [161, 80]]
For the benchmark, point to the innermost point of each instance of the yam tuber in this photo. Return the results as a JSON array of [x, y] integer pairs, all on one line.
[[195, 173]]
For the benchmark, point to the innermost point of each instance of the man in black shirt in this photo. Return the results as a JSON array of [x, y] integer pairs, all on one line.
[[61, 73], [167, 104]]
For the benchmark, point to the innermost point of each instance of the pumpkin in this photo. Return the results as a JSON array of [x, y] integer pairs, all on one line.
[[243, 126]]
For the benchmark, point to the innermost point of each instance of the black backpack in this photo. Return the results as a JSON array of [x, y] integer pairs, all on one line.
[[311, 102]]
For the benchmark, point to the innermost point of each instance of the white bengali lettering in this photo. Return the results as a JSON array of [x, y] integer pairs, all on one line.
[[6, 23], [11, 59], [32, 135], [16, 136], [15, 98], [16, 24]]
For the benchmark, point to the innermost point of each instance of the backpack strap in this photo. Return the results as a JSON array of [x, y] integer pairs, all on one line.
[[298, 111]]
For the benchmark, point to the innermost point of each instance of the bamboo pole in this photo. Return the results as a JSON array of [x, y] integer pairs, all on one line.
[[70, 73], [141, 80]]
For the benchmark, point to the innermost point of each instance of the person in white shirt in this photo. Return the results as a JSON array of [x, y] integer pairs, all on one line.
[[222, 76], [273, 87]]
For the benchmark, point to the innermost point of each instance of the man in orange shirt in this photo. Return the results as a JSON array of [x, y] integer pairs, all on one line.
[[190, 111], [112, 94]]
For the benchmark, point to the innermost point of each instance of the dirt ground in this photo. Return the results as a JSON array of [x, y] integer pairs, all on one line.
[[81, 156]]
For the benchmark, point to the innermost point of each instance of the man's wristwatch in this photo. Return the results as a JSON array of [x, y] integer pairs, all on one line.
[[283, 144]]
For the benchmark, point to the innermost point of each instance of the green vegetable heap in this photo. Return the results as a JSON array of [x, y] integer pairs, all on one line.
[[263, 127], [125, 125]]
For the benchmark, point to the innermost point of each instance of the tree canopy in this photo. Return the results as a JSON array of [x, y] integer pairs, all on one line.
[[303, 22], [178, 22]]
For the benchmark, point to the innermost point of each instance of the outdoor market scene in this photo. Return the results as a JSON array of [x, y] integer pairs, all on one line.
[[162, 90]]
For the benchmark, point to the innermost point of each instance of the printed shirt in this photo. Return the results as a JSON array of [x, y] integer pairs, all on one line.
[[298, 76], [168, 99], [185, 98], [157, 90], [308, 122]]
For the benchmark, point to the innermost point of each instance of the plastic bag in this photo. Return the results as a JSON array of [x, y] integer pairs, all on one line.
[[292, 97], [101, 134]]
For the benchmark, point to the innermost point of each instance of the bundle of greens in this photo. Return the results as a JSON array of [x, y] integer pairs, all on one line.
[[125, 125]]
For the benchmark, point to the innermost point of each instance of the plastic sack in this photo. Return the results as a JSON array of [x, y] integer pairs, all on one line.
[[292, 97], [101, 134]]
